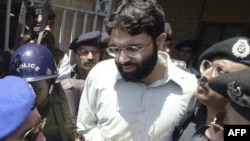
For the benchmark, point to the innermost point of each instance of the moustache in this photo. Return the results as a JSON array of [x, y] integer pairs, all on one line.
[[203, 82], [90, 62], [87, 64], [128, 64]]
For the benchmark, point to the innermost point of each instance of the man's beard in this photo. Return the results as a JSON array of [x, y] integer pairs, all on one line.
[[142, 70]]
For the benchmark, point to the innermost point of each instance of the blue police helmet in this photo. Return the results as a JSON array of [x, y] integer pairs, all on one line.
[[33, 62]]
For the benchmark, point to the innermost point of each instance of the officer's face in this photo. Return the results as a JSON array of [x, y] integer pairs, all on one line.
[[41, 89], [29, 128], [185, 54], [87, 56], [218, 66]]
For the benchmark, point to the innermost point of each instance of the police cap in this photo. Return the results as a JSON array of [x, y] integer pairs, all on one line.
[[236, 86], [16, 101], [91, 39], [190, 43], [236, 49]]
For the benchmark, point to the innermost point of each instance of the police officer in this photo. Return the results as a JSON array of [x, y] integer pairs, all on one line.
[[227, 56], [87, 53], [19, 118], [186, 51], [236, 87], [35, 63]]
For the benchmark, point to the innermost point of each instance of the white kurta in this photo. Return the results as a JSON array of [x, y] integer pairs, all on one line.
[[112, 109]]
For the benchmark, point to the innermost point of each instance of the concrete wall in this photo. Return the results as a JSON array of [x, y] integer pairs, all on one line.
[[186, 16]]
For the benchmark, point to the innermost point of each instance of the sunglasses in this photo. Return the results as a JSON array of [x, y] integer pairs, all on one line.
[[32, 134]]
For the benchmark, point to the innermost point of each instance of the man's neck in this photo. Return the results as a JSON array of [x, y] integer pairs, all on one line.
[[83, 73], [156, 74]]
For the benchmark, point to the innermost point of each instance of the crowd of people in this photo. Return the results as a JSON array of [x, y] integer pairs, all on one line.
[[124, 85]]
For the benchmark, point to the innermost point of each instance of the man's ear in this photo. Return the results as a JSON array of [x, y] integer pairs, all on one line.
[[160, 40]]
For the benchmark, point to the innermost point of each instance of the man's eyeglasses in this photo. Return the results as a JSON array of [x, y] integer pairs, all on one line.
[[32, 134], [217, 70], [86, 52], [131, 51]]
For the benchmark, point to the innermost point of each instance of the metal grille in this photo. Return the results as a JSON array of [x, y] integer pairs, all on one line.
[[72, 21]]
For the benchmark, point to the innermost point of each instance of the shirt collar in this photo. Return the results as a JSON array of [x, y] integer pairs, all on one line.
[[171, 72]]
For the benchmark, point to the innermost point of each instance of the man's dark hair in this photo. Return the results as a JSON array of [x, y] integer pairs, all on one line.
[[137, 17]]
